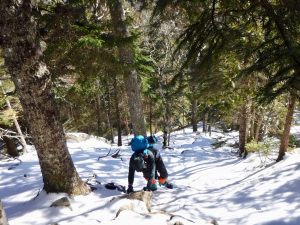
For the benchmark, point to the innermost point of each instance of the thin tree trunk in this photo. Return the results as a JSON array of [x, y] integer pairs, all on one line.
[[183, 120], [204, 124], [166, 111], [243, 130], [165, 138], [258, 125], [194, 115], [24, 60], [126, 55], [209, 122], [166, 126], [150, 117], [252, 124], [109, 114], [287, 128], [98, 108], [166, 123], [118, 112], [126, 124]]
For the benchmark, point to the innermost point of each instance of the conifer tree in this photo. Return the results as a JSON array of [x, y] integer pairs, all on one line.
[[126, 57], [23, 55]]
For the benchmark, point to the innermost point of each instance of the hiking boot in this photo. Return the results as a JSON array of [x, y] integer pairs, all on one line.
[[167, 185]]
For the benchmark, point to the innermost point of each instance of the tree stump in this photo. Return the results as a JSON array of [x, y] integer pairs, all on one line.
[[11, 147]]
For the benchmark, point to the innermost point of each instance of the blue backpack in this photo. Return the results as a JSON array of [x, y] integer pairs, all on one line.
[[139, 143]]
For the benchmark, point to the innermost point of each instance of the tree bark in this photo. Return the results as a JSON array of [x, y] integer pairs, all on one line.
[[24, 60], [287, 128], [252, 118], [204, 124], [150, 117], [259, 118], [243, 130], [166, 126], [99, 110], [126, 56], [166, 122], [109, 114], [194, 115], [118, 115], [11, 147]]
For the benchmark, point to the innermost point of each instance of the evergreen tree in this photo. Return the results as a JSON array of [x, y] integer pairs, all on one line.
[[23, 55], [126, 57]]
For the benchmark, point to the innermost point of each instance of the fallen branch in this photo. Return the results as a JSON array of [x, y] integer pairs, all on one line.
[[114, 154]]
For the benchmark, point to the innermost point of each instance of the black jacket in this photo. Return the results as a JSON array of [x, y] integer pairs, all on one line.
[[148, 172]]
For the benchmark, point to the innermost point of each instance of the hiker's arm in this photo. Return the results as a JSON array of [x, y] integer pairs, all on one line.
[[131, 172]]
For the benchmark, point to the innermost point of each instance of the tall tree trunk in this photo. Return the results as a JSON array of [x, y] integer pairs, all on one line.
[[194, 115], [243, 130], [166, 115], [284, 142], [126, 126], [98, 110], [118, 115], [204, 124], [3, 218], [24, 60], [258, 125], [109, 114], [252, 118], [166, 125], [126, 56], [150, 118]]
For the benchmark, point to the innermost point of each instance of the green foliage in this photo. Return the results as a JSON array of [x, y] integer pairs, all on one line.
[[6, 117], [143, 63], [213, 40], [263, 148], [90, 41], [293, 141]]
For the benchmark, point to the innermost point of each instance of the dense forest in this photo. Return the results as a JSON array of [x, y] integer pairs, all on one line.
[[113, 68]]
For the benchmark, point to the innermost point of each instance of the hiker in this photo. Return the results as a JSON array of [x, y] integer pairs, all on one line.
[[147, 159]]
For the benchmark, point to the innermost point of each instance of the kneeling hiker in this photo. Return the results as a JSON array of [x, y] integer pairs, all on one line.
[[147, 159]]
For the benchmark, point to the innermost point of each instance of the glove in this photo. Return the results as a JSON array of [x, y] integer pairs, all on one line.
[[151, 187], [129, 189]]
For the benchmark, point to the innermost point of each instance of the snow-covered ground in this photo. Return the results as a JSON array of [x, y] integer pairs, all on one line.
[[209, 184]]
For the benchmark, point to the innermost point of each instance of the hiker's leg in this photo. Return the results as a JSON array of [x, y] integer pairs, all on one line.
[[161, 168]]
